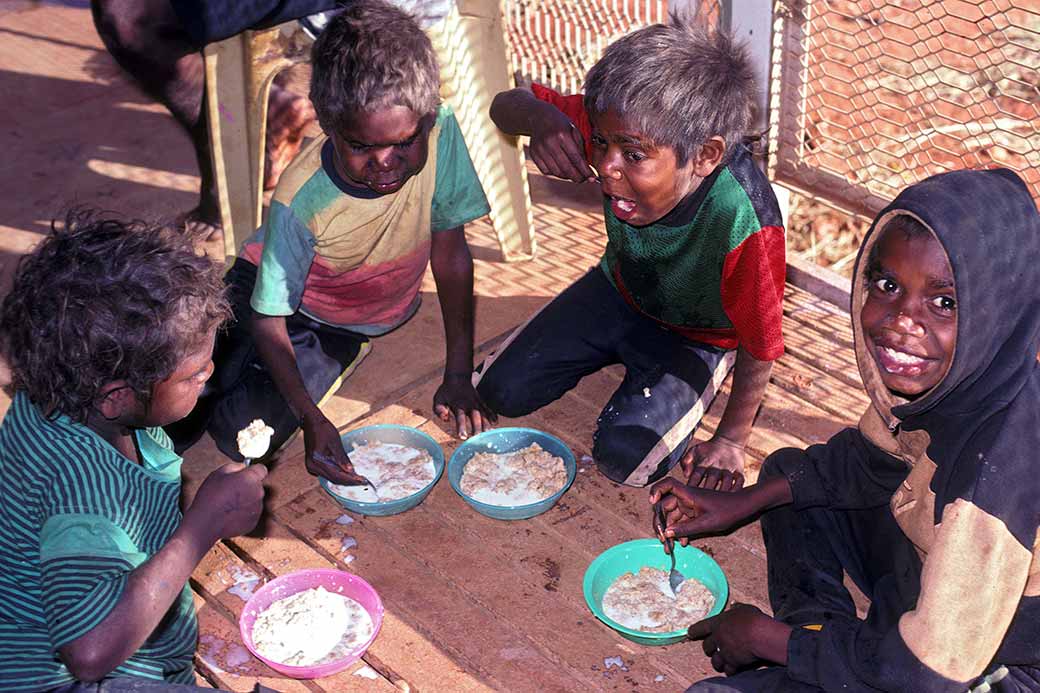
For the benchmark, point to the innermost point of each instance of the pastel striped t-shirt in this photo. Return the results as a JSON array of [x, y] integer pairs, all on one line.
[[351, 258]]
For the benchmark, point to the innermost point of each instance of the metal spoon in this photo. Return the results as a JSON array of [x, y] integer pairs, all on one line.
[[675, 578]]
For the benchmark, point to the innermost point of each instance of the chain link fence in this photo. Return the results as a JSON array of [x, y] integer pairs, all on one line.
[[866, 96], [870, 96]]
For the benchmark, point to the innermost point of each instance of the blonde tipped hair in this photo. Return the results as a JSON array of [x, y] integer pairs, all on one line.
[[372, 55], [679, 84]]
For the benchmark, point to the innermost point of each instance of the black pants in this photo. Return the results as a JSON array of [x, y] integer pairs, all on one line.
[[669, 380], [241, 389], [808, 552]]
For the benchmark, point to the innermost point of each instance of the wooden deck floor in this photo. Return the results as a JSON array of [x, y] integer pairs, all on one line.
[[478, 604], [471, 603]]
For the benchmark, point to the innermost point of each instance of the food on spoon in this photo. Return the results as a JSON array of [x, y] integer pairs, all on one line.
[[255, 439]]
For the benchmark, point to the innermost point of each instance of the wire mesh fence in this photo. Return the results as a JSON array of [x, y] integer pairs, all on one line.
[[866, 96], [871, 96], [555, 42]]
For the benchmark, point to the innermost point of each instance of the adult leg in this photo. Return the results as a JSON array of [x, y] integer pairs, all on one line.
[[569, 338], [149, 41], [669, 382]]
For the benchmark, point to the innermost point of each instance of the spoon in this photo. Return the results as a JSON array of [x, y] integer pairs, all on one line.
[[675, 578]]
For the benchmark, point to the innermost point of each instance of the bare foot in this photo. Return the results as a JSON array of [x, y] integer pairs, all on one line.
[[200, 227], [288, 115]]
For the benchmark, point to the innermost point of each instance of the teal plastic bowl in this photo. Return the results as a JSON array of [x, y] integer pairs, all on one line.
[[633, 555], [398, 435], [502, 440]]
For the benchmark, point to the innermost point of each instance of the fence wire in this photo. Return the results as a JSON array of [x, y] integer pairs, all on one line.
[[868, 97]]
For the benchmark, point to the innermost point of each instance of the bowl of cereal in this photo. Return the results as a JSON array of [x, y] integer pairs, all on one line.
[[311, 623], [512, 473], [402, 462], [626, 587]]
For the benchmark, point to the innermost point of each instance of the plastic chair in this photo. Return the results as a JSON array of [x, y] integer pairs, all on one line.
[[471, 49]]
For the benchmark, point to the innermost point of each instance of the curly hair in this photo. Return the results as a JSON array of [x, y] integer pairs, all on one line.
[[679, 83], [101, 300], [372, 55]]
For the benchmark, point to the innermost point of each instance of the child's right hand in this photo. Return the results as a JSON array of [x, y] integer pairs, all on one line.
[[690, 512], [230, 500], [323, 452], [558, 149]]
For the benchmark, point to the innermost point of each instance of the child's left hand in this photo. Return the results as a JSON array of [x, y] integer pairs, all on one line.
[[456, 401], [717, 463], [740, 637]]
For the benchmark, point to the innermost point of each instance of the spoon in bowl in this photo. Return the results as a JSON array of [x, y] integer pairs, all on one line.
[[675, 578]]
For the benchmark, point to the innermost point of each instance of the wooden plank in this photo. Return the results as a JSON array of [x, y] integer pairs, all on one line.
[[811, 310], [489, 648], [402, 652]]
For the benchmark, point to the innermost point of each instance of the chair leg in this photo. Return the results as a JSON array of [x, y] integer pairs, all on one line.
[[239, 73], [471, 48]]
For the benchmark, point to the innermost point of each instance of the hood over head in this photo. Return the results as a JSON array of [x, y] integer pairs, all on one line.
[[983, 417]]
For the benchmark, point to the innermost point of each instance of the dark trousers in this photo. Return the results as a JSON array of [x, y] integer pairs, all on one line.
[[669, 380], [241, 389], [808, 553]]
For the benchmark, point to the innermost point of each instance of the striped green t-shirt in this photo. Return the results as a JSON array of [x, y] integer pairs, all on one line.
[[76, 517]]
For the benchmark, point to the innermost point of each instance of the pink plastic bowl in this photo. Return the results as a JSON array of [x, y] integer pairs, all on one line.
[[337, 581]]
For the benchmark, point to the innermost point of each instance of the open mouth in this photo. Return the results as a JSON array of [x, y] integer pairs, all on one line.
[[898, 362], [623, 208]]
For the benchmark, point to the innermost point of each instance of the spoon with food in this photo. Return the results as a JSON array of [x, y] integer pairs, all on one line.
[[254, 440]]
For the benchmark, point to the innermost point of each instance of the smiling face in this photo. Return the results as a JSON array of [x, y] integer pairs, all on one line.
[[909, 317], [644, 181], [383, 148]]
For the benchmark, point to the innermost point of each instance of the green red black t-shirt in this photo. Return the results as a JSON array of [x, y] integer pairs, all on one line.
[[713, 268]]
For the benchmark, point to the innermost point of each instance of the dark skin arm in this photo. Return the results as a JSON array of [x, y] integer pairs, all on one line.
[[227, 504], [320, 437], [456, 401], [742, 635], [557, 148], [718, 463]]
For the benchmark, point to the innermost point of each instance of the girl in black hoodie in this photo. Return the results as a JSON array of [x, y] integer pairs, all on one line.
[[931, 505]]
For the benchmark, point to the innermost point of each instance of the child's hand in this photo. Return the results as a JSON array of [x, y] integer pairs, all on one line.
[[740, 637], [730, 638], [558, 149], [691, 512], [716, 464], [230, 500], [323, 452], [457, 402]]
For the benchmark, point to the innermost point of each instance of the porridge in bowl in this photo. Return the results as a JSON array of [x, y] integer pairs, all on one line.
[[520, 477], [644, 601], [397, 471], [311, 627]]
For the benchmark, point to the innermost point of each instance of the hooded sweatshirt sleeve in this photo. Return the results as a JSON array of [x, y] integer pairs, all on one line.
[[845, 473], [973, 582]]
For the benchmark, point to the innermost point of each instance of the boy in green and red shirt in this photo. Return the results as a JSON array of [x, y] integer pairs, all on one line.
[[694, 265]]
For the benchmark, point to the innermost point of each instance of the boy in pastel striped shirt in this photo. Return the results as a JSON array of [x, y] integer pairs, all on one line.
[[353, 224]]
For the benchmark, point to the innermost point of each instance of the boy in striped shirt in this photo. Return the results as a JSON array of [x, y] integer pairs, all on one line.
[[109, 333], [694, 264]]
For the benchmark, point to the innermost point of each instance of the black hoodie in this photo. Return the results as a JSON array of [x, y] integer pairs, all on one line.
[[959, 466]]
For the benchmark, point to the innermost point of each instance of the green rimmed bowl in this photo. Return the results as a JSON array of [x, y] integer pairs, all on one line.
[[629, 557]]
